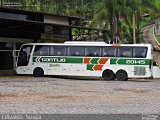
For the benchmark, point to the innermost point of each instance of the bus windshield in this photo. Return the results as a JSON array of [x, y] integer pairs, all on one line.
[[24, 55]]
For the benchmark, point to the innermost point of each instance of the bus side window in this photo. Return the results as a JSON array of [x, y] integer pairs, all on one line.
[[109, 51], [51, 51], [41, 50], [59, 51], [75, 51], [105, 54], [139, 52], [124, 52], [93, 51]]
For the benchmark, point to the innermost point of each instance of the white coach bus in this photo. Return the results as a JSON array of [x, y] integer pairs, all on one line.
[[110, 61]]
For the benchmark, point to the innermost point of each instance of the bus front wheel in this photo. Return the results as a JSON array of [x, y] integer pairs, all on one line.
[[122, 75], [38, 72], [108, 75]]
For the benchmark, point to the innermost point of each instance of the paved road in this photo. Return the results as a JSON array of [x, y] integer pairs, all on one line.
[[148, 35], [65, 95]]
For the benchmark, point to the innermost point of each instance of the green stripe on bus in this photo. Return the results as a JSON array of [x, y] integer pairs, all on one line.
[[57, 60], [74, 60], [90, 67], [130, 61], [94, 60]]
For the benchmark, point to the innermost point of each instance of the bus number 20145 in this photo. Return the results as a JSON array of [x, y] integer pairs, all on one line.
[[135, 62]]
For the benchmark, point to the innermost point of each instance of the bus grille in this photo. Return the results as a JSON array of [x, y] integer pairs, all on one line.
[[140, 71]]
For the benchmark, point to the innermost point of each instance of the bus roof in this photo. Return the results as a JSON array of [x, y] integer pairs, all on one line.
[[87, 43]]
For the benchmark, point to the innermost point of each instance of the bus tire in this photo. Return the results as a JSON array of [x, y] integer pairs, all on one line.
[[38, 72], [108, 75], [122, 75]]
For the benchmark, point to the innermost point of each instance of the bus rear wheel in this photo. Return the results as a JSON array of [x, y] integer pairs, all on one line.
[[108, 75], [38, 72], [122, 75]]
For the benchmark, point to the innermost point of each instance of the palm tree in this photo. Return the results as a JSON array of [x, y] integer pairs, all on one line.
[[1, 2], [114, 9], [115, 16], [100, 20]]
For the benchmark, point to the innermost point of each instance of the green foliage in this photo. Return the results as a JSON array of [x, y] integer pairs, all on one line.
[[158, 38], [157, 2], [115, 16]]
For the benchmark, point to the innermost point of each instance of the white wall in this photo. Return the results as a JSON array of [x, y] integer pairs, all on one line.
[[156, 72]]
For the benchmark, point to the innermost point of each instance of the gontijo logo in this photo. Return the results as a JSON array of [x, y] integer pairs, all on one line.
[[54, 60], [49, 59]]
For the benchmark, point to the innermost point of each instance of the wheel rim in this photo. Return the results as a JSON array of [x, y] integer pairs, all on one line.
[[108, 75], [121, 75], [38, 73]]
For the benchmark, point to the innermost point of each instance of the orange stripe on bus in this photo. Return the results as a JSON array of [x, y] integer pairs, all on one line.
[[103, 60], [116, 44], [97, 67], [87, 60]]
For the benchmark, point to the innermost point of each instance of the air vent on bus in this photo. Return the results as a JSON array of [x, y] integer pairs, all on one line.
[[140, 71]]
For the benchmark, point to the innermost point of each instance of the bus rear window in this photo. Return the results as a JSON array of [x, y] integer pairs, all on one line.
[[139, 52]]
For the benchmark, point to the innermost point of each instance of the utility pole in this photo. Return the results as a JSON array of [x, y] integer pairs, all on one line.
[[134, 27]]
